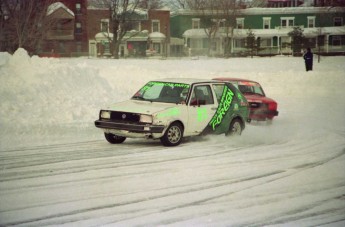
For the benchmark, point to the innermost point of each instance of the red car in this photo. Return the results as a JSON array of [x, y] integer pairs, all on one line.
[[262, 108]]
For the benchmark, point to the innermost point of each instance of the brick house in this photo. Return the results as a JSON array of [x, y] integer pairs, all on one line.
[[150, 35], [68, 36]]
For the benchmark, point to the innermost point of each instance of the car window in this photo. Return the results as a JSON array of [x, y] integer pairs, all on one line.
[[202, 95], [218, 89], [163, 92], [153, 92], [258, 90], [250, 88]]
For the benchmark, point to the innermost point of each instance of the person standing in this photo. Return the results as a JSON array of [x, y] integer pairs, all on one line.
[[308, 59]]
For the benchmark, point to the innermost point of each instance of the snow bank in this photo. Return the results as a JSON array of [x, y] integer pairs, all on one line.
[[48, 91], [4, 57]]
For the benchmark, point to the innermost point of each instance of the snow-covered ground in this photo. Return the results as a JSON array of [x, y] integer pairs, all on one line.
[[57, 169]]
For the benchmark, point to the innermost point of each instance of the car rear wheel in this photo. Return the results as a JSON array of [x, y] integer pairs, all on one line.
[[235, 128], [114, 139], [173, 135]]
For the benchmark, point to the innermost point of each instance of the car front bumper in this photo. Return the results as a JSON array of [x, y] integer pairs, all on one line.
[[130, 129]]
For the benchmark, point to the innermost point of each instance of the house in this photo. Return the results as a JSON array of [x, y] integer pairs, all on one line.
[[219, 34], [149, 34], [84, 28], [67, 35]]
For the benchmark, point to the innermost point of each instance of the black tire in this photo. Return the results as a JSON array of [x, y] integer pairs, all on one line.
[[173, 135], [114, 139], [236, 128]]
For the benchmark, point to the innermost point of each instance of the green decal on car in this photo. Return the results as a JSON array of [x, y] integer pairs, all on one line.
[[150, 84], [239, 96], [172, 112], [164, 84], [223, 108], [202, 114]]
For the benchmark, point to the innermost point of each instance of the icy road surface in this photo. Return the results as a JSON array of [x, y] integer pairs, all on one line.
[[57, 169], [232, 182]]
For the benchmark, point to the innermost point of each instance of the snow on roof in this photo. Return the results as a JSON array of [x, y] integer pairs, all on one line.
[[156, 35], [57, 5], [103, 36], [195, 33], [261, 11], [268, 33], [104, 5]]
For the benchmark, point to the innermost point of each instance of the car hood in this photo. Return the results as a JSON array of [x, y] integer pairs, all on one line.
[[142, 107], [258, 98]]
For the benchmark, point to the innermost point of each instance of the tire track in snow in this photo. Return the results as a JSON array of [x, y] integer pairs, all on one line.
[[46, 157], [144, 159]]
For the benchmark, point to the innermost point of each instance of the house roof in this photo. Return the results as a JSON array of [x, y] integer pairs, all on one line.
[[268, 33], [56, 6], [267, 11]]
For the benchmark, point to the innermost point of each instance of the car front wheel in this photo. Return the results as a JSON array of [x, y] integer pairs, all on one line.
[[114, 139], [235, 128], [173, 135]]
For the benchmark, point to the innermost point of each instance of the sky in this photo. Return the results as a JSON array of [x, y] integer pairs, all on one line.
[[56, 167]]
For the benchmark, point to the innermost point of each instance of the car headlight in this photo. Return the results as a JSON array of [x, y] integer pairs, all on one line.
[[105, 114], [146, 118]]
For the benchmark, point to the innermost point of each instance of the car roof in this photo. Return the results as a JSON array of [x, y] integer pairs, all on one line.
[[189, 81], [234, 79]]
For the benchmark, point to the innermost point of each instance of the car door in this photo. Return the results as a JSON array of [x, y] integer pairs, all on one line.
[[202, 106]]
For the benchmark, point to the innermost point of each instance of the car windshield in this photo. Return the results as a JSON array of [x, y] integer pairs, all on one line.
[[168, 92], [251, 88]]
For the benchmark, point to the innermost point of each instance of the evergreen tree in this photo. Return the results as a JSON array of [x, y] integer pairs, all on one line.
[[251, 44], [297, 41]]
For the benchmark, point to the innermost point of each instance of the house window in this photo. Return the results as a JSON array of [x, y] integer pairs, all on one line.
[[286, 22], [78, 27], [196, 43], [105, 25], [136, 25], [79, 49], [311, 22], [240, 43], [267, 22], [222, 23], [62, 48], [155, 26], [157, 47], [78, 8], [338, 21], [265, 42], [336, 40], [286, 41], [240, 23], [195, 23]]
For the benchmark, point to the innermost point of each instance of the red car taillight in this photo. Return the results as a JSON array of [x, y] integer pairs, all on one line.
[[272, 106]]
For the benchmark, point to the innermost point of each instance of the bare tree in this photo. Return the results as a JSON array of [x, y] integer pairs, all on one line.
[[123, 15], [220, 16], [26, 23], [150, 4], [187, 4], [230, 10]]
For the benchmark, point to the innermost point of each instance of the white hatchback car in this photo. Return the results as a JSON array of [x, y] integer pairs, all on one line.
[[171, 109]]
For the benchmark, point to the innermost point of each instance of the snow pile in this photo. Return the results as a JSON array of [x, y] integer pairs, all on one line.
[[47, 90]]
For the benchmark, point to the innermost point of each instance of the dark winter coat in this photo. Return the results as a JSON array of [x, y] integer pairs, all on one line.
[[308, 58]]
